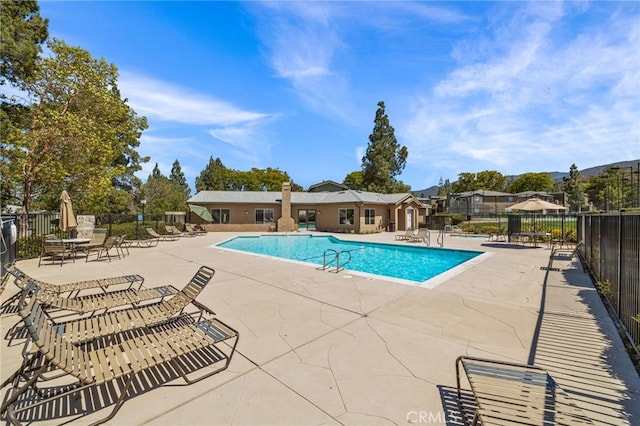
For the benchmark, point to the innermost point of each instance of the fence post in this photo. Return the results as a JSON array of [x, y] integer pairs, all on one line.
[[620, 263]]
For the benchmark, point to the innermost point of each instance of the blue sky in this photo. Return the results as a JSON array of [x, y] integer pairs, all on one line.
[[468, 86]]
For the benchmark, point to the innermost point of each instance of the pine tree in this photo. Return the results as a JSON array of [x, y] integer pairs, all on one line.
[[574, 189], [213, 177], [177, 177], [385, 158], [156, 173]]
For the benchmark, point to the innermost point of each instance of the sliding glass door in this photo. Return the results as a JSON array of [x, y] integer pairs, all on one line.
[[307, 219]]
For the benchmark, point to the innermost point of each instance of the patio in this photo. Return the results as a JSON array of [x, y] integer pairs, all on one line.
[[323, 348]]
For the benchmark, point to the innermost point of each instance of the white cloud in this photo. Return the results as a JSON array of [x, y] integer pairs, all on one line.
[[164, 101], [178, 110], [537, 101], [302, 44], [311, 44]]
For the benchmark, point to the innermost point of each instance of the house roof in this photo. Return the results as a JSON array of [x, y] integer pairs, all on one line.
[[327, 185], [272, 197], [483, 192]]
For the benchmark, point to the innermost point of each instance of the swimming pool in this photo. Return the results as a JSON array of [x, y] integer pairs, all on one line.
[[405, 263]]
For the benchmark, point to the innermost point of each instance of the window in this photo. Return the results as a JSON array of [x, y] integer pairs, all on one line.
[[264, 216], [346, 216], [220, 215], [369, 216]]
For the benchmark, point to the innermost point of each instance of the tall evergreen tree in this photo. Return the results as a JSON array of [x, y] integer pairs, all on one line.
[[213, 177], [156, 173], [22, 33], [177, 177], [385, 158], [444, 187], [574, 188]]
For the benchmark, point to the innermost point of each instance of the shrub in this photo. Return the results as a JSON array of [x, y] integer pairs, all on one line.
[[458, 218]]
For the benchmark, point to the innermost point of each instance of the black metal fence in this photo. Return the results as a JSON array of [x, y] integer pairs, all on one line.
[[611, 251], [557, 226], [33, 229]]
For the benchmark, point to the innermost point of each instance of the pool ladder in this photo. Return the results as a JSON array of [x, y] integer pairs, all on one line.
[[441, 238], [334, 256]]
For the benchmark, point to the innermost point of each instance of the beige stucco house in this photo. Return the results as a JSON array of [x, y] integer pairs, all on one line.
[[333, 209]]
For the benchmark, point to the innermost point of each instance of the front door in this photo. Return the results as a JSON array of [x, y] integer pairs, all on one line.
[[409, 218]]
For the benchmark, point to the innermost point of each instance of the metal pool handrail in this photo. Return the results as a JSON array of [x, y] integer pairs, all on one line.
[[335, 258]]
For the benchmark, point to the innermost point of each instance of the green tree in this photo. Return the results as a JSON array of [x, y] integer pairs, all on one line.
[[163, 195], [574, 188], [531, 182], [213, 177], [73, 134], [156, 173], [444, 187], [22, 32], [466, 182], [177, 176], [353, 180], [602, 190], [610, 190], [491, 180], [268, 179], [385, 158], [216, 177]]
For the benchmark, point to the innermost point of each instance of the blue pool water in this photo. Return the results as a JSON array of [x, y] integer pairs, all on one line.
[[405, 262]]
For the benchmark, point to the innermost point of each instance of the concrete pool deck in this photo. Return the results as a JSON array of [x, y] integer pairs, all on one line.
[[323, 348]]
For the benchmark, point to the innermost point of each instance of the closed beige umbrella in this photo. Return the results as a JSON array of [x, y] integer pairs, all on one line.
[[67, 219]]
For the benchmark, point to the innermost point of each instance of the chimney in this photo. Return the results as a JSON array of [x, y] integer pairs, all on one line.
[[286, 222]]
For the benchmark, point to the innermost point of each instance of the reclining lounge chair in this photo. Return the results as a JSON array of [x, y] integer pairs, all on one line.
[[83, 371], [508, 393], [407, 234], [422, 236], [50, 295], [99, 326], [161, 237], [172, 230], [191, 229]]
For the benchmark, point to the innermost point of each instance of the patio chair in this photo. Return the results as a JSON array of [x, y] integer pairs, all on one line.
[[172, 230], [56, 248], [190, 229], [561, 241], [98, 326], [149, 242], [161, 237], [507, 393], [121, 246], [168, 352], [98, 238], [420, 237], [104, 249], [73, 288], [50, 295], [410, 232]]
